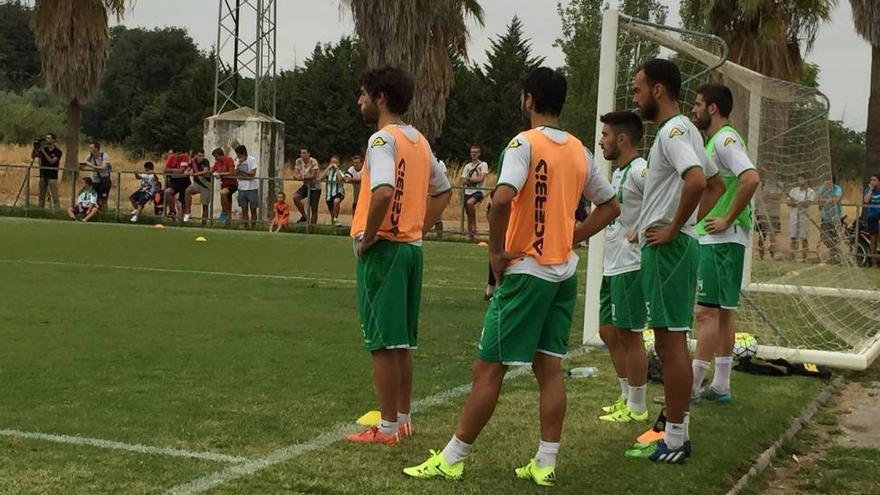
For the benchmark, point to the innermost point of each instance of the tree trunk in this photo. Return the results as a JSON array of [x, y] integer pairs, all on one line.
[[872, 132], [72, 143]]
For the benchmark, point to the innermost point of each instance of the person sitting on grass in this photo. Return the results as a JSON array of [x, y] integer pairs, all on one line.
[[282, 213], [86, 202], [149, 186]]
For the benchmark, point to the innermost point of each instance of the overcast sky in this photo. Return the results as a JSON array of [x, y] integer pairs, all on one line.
[[844, 58]]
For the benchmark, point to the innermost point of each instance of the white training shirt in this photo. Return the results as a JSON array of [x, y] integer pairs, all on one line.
[[515, 171], [473, 169], [622, 256], [381, 153], [732, 160], [799, 195], [677, 148], [247, 166]]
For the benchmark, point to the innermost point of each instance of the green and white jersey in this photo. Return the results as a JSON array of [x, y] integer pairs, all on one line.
[[622, 256], [728, 151], [678, 147]]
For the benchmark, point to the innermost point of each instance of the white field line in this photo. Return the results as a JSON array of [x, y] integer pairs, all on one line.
[[323, 440], [110, 444], [305, 278]]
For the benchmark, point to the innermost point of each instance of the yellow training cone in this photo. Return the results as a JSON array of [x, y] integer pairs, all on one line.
[[201, 239], [482, 244], [159, 226], [371, 418]]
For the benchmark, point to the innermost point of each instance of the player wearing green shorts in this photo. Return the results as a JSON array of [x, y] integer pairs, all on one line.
[[621, 304], [404, 190], [531, 234], [674, 186], [724, 235]]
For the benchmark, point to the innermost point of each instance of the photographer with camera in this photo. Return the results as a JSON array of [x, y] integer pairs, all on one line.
[[49, 156]]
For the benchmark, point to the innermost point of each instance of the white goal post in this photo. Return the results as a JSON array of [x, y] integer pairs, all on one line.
[[823, 310]]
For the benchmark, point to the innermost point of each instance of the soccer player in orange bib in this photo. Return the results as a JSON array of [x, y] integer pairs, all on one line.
[[403, 189], [532, 229]]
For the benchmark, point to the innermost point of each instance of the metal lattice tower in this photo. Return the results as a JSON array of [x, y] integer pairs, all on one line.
[[245, 50]]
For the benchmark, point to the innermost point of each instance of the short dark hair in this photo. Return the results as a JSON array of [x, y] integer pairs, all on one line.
[[548, 89], [477, 146], [719, 95], [96, 144], [662, 71], [199, 150], [149, 166], [625, 123], [241, 150], [395, 84], [87, 180], [52, 135], [218, 152]]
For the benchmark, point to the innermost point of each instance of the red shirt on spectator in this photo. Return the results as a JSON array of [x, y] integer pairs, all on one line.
[[225, 164]]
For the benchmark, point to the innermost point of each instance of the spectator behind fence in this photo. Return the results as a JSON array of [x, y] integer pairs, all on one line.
[[49, 156], [86, 202], [306, 169], [99, 163], [335, 188], [224, 168], [353, 177], [176, 182], [438, 225], [146, 192], [831, 214], [872, 216], [281, 210], [200, 170], [473, 176], [800, 198], [770, 194], [248, 195]]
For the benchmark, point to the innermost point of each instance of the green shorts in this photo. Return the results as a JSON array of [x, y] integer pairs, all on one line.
[[669, 282], [389, 290], [621, 303], [528, 315], [721, 271]]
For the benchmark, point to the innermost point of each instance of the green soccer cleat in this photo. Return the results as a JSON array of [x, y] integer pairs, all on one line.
[[625, 415], [436, 467], [709, 393], [541, 476], [618, 405], [641, 450]]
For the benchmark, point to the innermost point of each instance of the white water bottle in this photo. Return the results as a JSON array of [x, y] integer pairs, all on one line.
[[583, 372]]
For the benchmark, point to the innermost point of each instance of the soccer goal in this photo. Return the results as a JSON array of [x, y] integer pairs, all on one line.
[[823, 310]]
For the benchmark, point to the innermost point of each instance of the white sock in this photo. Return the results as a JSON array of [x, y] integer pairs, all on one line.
[[636, 399], [456, 451], [403, 419], [624, 388], [721, 380], [546, 455], [687, 426], [388, 427], [674, 436], [700, 370], [490, 289]]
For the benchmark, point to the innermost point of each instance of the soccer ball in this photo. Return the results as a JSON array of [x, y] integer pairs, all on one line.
[[744, 345], [648, 338]]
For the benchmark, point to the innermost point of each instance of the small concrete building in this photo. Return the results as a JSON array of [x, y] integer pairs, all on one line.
[[264, 138]]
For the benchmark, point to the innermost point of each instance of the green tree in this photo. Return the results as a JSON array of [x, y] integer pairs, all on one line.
[[19, 59], [847, 151], [866, 16], [466, 113], [30, 114], [318, 102], [767, 36], [143, 64]]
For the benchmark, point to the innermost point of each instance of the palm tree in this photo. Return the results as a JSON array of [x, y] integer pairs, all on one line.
[[866, 16], [763, 35], [74, 41], [418, 36]]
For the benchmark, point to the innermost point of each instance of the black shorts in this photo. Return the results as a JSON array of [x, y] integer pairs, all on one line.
[[477, 196], [329, 200], [141, 197], [103, 187], [180, 189], [314, 195], [232, 188]]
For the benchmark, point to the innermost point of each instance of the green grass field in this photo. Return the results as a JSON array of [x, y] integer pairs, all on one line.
[[244, 354]]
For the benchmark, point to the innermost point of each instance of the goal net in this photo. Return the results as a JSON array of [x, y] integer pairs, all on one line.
[[814, 305]]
